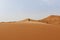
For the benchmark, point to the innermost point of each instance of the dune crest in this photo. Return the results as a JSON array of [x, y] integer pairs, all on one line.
[[28, 20], [52, 19]]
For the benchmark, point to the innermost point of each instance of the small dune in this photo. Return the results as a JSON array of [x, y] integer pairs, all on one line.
[[53, 19], [27, 20]]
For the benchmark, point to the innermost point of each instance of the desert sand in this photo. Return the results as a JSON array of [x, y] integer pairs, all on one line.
[[52, 19], [29, 30]]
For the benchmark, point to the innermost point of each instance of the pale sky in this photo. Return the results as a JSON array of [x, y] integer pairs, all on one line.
[[12, 10]]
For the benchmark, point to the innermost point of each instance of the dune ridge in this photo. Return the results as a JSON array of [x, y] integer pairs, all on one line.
[[53, 19]]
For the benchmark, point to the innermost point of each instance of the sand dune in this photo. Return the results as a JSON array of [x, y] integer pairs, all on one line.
[[30, 30], [53, 19], [28, 20]]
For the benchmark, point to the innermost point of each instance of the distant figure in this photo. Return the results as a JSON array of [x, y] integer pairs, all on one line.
[[28, 19]]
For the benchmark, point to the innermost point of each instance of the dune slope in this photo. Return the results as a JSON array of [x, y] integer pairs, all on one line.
[[53, 19], [29, 31]]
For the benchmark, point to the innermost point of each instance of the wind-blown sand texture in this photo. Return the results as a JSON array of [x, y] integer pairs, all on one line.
[[29, 30]]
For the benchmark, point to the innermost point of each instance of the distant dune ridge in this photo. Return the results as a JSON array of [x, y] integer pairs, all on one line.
[[52, 19], [28, 20]]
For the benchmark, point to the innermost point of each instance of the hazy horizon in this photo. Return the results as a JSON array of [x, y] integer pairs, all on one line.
[[12, 10]]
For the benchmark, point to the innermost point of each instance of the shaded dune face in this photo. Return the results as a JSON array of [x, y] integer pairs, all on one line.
[[29, 31], [53, 19]]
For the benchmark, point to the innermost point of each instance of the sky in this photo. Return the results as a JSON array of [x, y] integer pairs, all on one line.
[[13, 10]]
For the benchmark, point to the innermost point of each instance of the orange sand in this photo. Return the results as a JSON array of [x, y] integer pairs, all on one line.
[[29, 31]]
